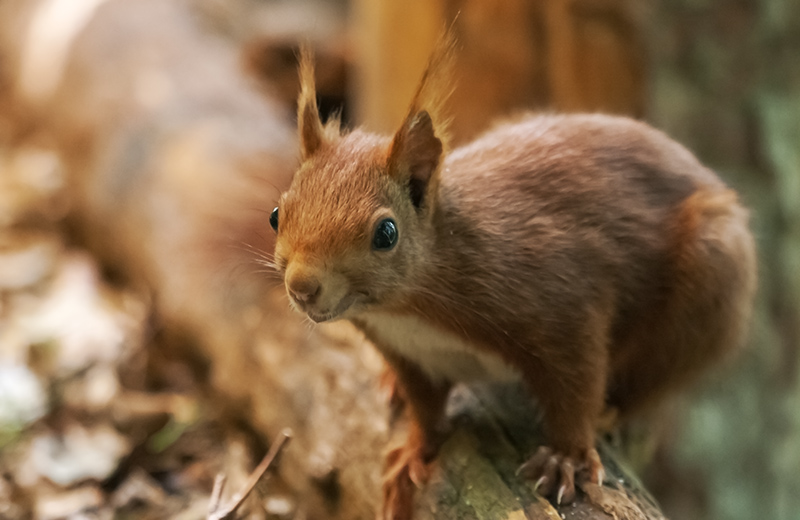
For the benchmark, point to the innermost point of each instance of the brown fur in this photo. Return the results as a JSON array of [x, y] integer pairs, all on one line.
[[592, 254]]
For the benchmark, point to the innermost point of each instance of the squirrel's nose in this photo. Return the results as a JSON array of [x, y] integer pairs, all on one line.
[[304, 290]]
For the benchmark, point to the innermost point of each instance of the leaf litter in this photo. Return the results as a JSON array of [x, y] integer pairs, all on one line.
[[86, 430]]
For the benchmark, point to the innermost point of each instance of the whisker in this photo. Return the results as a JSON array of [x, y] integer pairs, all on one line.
[[261, 178], [271, 275], [254, 250], [310, 326], [260, 257], [266, 263]]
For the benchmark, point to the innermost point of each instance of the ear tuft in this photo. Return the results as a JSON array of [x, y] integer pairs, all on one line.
[[415, 155], [417, 148], [308, 121]]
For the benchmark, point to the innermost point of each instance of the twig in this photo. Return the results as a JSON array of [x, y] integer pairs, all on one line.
[[216, 494], [215, 511]]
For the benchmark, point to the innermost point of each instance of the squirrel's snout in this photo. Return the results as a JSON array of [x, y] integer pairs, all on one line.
[[322, 294], [304, 290]]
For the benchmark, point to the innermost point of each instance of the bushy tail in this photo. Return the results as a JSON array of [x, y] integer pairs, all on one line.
[[707, 311]]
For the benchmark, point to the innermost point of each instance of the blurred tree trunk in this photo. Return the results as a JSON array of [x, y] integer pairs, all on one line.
[[566, 55], [726, 82]]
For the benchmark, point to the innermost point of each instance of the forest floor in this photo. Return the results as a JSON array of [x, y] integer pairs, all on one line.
[[95, 420]]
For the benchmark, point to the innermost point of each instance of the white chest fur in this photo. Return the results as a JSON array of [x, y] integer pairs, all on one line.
[[442, 354]]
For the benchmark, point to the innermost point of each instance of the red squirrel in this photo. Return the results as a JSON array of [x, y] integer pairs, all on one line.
[[589, 256]]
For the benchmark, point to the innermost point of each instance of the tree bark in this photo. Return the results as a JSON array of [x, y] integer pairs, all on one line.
[[564, 55]]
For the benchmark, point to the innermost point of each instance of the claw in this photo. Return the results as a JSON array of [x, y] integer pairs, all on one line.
[[566, 493], [601, 476], [595, 467], [555, 473]]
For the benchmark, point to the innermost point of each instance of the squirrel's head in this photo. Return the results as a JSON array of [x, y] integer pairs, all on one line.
[[354, 224]]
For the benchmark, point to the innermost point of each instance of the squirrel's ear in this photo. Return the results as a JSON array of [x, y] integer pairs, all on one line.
[[310, 128], [415, 154], [308, 121]]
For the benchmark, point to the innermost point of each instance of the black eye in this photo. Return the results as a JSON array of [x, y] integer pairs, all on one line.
[[385, 236], [273, 219]]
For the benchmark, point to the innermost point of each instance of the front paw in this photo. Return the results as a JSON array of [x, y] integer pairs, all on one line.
[[408, 467], [554, 473]]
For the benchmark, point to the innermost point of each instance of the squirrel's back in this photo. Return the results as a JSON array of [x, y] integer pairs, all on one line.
[[554, 199], [554, 215], [587, 166]]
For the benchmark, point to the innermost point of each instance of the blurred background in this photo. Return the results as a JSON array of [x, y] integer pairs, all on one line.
[[144, 348]]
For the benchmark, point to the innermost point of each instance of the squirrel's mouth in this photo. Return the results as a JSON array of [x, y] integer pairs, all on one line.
[[320, 318], [351, 303]]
